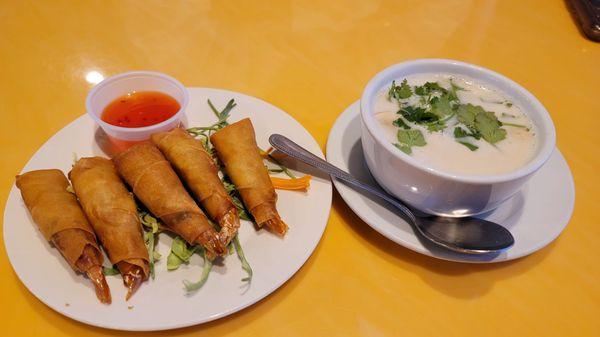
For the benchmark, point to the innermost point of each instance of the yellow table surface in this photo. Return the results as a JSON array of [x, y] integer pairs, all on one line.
[[312, 59]]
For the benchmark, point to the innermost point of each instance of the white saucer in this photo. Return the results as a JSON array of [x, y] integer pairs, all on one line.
[[535, 216]]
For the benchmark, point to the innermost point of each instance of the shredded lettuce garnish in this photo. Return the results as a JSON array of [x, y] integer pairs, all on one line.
[[204, 132], [181, 253], [109, 271], [151, 228], [235, 198], [280, 167], [240, 253], [193, 286]]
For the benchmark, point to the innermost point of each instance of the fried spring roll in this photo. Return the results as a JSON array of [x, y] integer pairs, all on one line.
[[156, 184], [237, 149], [113, 214], [198, 170], [62, 222]]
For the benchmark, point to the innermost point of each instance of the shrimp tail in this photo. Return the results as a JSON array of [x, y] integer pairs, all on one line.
[[90, 263], [212, 244], [133, 276], [94, 273], [229, 223], [276, 225]]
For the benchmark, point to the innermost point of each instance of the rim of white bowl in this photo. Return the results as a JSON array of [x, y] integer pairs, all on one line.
[[109, 80], [546, 126]]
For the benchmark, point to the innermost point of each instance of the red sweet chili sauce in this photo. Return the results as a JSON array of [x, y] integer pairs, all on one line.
[[139, 109]]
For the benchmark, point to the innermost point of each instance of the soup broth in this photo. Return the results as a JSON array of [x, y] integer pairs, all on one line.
[[455, 124]]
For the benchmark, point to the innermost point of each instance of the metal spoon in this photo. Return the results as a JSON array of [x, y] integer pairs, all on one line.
[[465, 235]]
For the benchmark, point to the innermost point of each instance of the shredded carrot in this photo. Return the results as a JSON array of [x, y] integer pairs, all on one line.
[[302, 183], [271, 152]]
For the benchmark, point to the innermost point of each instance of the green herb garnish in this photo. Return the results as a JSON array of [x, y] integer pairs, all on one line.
[[110, 271], [479, 121], [489, 127], [466, 114], [417, 115], [193, 286], [409, 138], [461, 133], [429, 88], [515, 125], [436, 126], [151, 228], [235, 198], [439, 108], [469, 145], [401, 124], [180, 253], [452, 95], [402, 91], [204, 132], [240, 253]]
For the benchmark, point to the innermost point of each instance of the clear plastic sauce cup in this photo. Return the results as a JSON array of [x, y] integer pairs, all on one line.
[[135, 81]]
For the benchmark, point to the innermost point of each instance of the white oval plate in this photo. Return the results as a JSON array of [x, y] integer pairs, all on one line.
[[535, 216], [161, 303]]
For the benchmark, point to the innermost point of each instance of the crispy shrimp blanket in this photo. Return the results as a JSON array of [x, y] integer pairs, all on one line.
[[58, 215], [156, 184], [62, 222], [111, 210], [237, 149], [198, 170]]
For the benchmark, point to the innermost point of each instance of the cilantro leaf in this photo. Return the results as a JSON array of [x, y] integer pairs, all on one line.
[[399, 92], [466, 113], [481, 122], [469, 145], [404, 148], [436, 126], [417, 115], [409, 138], [452, 95], [429, 88], [490, 127], [401, 124], [405, 91], [461, 133], [441, 107], [392, 91]]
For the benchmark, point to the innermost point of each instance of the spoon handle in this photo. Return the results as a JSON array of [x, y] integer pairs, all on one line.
[[290, 148]]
